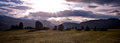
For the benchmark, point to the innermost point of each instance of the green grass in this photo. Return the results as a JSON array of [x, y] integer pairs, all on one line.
[[50, 36]]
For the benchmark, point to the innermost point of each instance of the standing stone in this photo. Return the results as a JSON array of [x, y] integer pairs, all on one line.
[[55, 28], [61, 27], [21, 25], [38, 25]]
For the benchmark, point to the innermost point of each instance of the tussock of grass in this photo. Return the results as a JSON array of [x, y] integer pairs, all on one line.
[[50, 36]]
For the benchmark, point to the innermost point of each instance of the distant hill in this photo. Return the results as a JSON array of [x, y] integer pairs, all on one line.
[[6, 22], [112, 23], [70, 25]]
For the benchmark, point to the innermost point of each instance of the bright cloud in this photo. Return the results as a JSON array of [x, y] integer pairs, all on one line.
[[47, 5]]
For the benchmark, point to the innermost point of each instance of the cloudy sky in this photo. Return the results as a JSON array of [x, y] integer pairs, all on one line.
[[61, 10]]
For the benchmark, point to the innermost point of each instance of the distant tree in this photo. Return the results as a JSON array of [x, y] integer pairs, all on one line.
[[38, 25], [87, 29], [55, 28], [82, 27], [68, 29], [12, 27], [16, 27], [60, 27], [77, 29], [29, 27], [95, 29], [46, 28], [21, 25]]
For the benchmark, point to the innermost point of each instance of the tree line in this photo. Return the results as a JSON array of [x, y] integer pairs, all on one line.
[[40, 26]]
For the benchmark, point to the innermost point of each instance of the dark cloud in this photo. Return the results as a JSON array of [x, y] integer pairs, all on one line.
[[115, 2], [4, 11], [75, 13], [20, 7], [104, 10], [9, 9], [115, 11], [86, 14], [68, 19], [14, 11], [14, 1], [118, 14], [6, 3], [92, 6], [62, 13], [42, 14], [115, 6]]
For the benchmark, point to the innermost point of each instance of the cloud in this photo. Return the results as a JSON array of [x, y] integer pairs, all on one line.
[[116, 12], [87, 14], [115, 6], [59, 20], [8, 3], [14, 1], [75, 13], [92, 6], [14, 8], [14, 11], [20, 7], [102, 2]]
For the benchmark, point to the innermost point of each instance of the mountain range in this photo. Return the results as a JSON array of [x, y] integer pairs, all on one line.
[[111, 23]]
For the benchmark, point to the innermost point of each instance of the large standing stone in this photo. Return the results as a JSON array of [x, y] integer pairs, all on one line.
[[21, 25], [55, 28], [61, 27], [39, 25]]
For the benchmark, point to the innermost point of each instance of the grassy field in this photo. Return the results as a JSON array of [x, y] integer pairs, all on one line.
[[50, 36]]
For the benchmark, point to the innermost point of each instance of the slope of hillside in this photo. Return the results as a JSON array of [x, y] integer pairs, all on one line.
[[70, 25], [105, 23], [102, 23], [6, 22]]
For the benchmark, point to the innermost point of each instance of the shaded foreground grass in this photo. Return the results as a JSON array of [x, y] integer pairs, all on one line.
[[50, 36]]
